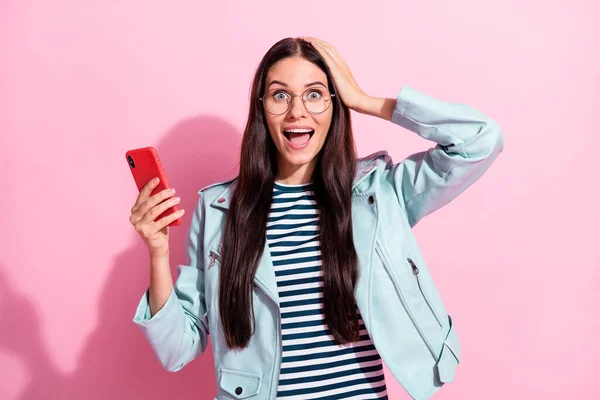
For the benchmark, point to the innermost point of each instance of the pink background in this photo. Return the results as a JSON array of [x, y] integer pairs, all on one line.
[[515, 257]]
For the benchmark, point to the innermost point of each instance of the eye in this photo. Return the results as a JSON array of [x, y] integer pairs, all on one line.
[[313, 95], [280, 96]]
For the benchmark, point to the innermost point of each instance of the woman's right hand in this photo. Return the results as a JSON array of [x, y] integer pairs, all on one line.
[[144, 212]]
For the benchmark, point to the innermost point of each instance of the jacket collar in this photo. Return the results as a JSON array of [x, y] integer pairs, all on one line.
[[265, 275], [364, 167]]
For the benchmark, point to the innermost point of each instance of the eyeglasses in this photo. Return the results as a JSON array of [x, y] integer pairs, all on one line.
[[278, 101]]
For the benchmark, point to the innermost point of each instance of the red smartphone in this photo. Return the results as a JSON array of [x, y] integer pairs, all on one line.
[[145, 165]]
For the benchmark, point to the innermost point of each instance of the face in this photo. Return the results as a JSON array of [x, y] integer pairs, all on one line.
[[298, 134]]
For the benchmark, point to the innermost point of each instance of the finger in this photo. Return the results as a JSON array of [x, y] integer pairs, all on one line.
[[157, 210], [145, 193], [165, 221], [316, 43], [322, 44], [327, 55], [333, 59], [333, 53], [315, 40], [139, 212], [328, 51]]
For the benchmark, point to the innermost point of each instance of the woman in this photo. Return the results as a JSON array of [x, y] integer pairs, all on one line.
[[304, 268]]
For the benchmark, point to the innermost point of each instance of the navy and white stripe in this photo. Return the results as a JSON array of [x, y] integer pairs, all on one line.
[[313, 366]]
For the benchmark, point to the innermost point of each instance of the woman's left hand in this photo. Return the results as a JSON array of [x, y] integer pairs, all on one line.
[[347, 88]]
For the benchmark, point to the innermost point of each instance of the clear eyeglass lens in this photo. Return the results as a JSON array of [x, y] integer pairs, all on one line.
[[278, 101]]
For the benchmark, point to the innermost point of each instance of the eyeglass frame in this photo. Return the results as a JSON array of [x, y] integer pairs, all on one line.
[[291, 101]]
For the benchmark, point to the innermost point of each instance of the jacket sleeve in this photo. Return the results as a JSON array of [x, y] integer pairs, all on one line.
[[467, 144], [178, 332]]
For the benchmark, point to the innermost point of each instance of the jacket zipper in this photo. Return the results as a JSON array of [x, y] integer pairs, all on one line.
[[415, 271], [386, 264]]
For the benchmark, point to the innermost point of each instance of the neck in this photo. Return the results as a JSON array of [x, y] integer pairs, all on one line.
[[295, 175]]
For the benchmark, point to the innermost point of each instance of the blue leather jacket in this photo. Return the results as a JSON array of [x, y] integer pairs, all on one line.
[[395, 294]]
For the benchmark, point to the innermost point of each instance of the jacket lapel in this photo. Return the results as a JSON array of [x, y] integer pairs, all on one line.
[[265, 274]]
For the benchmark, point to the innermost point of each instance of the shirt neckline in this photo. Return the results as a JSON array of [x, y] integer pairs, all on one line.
[[287, 187]]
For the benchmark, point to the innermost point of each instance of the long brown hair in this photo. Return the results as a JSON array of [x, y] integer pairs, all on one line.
[[245, 229]]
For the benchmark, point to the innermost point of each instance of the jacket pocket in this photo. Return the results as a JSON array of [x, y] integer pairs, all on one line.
[[388, 267], [415, 271], [239, 384]]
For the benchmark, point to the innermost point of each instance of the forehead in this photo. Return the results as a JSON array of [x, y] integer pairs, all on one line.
[[296, 72]]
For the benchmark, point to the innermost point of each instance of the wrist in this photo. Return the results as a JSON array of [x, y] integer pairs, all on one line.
[[158, 258], [377, 107], [364, 104]]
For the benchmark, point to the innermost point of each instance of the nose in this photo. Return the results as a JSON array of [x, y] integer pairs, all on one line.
[[297, 109]]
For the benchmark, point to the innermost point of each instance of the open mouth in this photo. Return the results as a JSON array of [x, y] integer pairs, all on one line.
[[298, 137]]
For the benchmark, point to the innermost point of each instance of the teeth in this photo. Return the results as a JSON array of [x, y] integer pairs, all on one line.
[[298, 130]]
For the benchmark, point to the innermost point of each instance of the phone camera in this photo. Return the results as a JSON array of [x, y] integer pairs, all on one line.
[[131, 163]]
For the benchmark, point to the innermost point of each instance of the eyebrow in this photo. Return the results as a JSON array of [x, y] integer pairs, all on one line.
[[307, 85]]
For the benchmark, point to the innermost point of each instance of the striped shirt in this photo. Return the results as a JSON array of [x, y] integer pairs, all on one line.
[[313, 366]]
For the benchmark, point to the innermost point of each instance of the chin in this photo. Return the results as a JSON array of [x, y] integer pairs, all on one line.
[[299, 159]]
